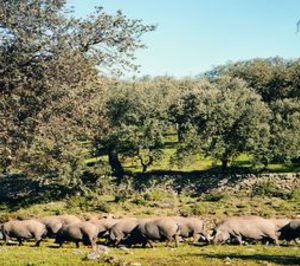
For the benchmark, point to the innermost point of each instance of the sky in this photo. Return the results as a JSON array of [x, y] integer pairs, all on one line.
[[195, 35]]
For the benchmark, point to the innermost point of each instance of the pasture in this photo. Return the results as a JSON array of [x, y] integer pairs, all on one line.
[[85, 131], [185, 254]]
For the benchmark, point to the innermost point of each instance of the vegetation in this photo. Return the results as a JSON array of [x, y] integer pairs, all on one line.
[[76, 138], [185, 255]]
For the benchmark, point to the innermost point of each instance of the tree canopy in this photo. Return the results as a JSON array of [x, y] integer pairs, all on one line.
[[63, 103]]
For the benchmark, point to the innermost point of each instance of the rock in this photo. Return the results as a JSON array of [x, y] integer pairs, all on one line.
[[93, 256], [126, 250], [103, 248], [264, 263], [135, 264], [76, 251], [227, 261]]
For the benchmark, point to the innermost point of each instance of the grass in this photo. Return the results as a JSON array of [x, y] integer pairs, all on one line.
[[196, 163], [159, 202], [185, 254], [166, 206]]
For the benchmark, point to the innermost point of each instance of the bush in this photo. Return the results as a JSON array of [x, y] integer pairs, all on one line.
[[124, 192], [156, 194], [89, 202], [215, 196], [195, 209], [139, 200], [186, 211], [198, 209], [269, 189], [295, 194]]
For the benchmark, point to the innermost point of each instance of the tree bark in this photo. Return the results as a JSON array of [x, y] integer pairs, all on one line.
[[224, 164], [146, 164], [180, 133], [115, 164]]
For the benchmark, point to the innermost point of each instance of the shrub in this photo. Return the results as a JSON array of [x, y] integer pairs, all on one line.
[[139, 200], [89, 202], [186, 211], [198, 209], [215, 196], [78, 202], [156, 194], [195, 209], [124, 192], [269, 189], [295, 194]]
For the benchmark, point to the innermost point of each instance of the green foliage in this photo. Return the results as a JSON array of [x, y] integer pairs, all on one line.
[[51, 86], [295, 194], [226, 118], [197, 209], [124, 191], [135, 118], [276, 80], [88, 202], [216, 196], [57, 110], [285, 125], [273, 78], [269, 189]]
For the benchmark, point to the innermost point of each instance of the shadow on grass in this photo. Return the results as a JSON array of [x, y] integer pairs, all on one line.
[[53, 246], [279, 259], [18, 191], [196, 179]]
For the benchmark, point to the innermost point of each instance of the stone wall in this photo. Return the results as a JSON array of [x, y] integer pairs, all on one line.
[[284, 181]]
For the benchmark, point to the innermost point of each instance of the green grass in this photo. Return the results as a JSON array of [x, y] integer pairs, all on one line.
[[209, 207], [185, 254], [196, 163], [165, 205]]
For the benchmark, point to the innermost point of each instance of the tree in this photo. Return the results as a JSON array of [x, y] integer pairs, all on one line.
[[228, 119], [135, 125], [285, 128], [51, 85], [178, 113], [273, 78]]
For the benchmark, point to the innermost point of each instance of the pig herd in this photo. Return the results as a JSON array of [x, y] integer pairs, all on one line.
[[133, 231]]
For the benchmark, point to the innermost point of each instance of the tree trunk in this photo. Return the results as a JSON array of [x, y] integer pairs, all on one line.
[[6, 166], [180, 133], [146, 164], [224, 164], [115, 164]]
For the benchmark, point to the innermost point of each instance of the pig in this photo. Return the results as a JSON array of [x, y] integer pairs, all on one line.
[[85, 232], [245, 228], [26, 229], [55, 222], [192, 227], [69, 218], [279, 223], [104, 225], [290, 231], [121, 230], [160, 229]]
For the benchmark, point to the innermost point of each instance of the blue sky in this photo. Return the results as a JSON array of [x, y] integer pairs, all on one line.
[[195, 35]]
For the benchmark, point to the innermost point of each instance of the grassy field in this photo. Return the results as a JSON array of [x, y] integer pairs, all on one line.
[[198, 163], [185, 254], [160, 205], [159, 200]]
